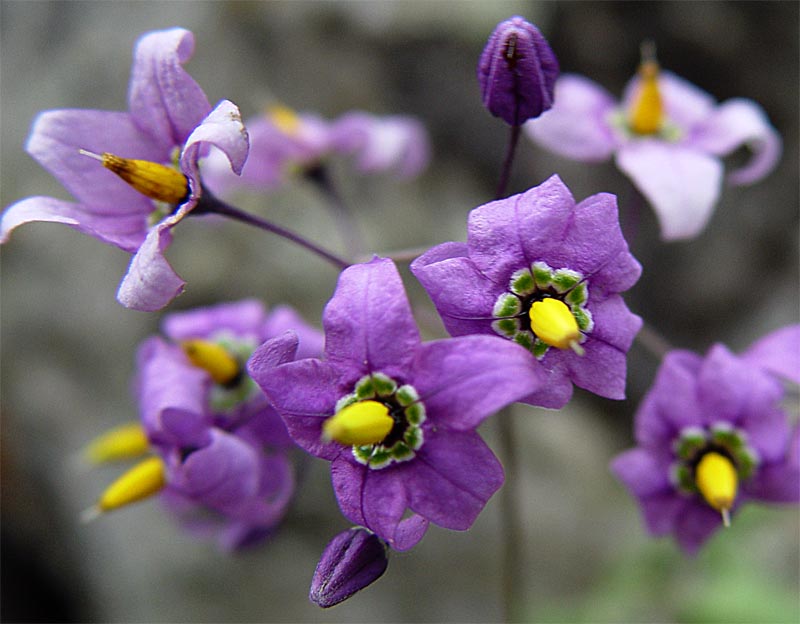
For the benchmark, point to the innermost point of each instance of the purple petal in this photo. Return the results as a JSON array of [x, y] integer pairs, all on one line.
[[462, 381], [681, 183], [778, 353], [164, 100], [368, 321], [275, 352], [736, 123], [602, 369], [464, 297], [695, 524], [351, 561], [614, 324], [55, 141], [452, 478], [779, 482], [512, 233], [244, 319], [556, 391], [311, 339], [641, 472], [124, 231], [661, 511], [151, 283], [577, 126]]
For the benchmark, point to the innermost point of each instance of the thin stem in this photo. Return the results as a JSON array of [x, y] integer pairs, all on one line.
[[209, 204], [509, 511], [653, 341], [505, 173], [342, 216], [401, 255]]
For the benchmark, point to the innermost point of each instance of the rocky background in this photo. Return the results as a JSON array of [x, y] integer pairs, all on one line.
[[67, 346]]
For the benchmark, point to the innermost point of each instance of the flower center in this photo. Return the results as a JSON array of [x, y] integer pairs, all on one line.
[[380, 419], [545, 308], [284, 119], [711, 462]]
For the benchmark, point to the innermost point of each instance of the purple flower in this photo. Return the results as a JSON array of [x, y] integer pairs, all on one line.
[[284, 144], [719, 405], [351, 561], [531, 248], [223, 444], [517, 72], [431, 460], [169, 122], [666, 135]]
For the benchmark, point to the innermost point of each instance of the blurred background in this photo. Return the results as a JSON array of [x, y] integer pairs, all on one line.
[[68, 347]]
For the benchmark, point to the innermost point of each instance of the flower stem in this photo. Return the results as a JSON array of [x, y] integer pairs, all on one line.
[[509, 513], [401, 255], [342, 216], [209, 204], [505, 173], [653, 341]]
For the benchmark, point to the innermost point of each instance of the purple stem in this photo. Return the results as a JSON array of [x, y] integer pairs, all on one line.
[[505, 173], [342, 216]]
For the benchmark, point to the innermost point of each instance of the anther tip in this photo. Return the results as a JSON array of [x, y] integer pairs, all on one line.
[[647, 49], [84, 152], [726, 517], [577, 348], [91, 514]]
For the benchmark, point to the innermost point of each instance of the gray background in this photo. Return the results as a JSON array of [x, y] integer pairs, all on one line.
[[67, 346]]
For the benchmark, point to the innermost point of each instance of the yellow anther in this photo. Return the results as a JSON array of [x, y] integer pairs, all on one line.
[[553, 323], [144, 479], [717, 481], [213, 358], [284, 119], [646, 115], [124, 442], [154, 180], [366, 422]]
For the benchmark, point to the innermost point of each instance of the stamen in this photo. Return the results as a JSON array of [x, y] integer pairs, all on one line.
[[151, 179], [553, 323], [365, 422], [284, 119], [142, 481], [213, 358], [125, 442], [646, 115], [717, 481]]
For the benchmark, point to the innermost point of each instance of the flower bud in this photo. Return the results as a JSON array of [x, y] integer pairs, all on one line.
[[351, 561], [517, 72]]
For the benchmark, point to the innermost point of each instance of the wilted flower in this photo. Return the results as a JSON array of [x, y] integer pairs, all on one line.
[[147, 179], [666, 135], [517, 72], [711, 436], [395, 417], [546, 274], [351, 561]]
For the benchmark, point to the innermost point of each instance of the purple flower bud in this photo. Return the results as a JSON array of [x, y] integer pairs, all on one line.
[[351, 561], [517, 72]]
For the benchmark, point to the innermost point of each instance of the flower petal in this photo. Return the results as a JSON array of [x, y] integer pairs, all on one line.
[[151, 283], [576, 127], [779, 482], [695, 524], [284, 317], [368, 321], [462, 381], [681, 183], [778, 353], [124, 231], [164, 100], [735, 123], [243, 318], [452, 478]]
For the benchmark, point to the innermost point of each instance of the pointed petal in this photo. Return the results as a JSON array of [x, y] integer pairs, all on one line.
[[462, 381], [778, 353], [164, 100], [682, 184], [736, 123], [577, 126], [311, 339], [368, 321], [452, 478], [641, 472], [695, 524], [243, 318]]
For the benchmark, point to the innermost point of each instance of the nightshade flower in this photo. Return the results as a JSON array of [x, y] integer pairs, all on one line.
[[711, 435], [284, 144], [220, 448], [429, 459], [351, 561], [546, 274], [148, 179], [666, 135]]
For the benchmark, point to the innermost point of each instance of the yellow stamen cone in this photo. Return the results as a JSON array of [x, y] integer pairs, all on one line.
[[125, 442], [366, 422], [717, 481], [154, 180], [553, 323], [646, 115], [284, 119], [213, 358], [143, 480]]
